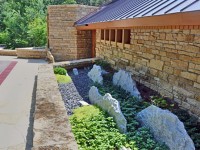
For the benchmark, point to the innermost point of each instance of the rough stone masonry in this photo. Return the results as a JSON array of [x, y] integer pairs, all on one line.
[[65, 42], [165, 60]]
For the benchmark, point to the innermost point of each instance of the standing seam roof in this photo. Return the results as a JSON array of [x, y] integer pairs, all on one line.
[[126, 9]]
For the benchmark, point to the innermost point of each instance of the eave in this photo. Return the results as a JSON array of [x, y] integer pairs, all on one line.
[[177, 19]]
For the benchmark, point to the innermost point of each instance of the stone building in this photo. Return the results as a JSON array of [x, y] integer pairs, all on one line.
[[157, 41]]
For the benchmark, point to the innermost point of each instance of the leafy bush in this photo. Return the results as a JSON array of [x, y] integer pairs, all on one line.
[[60, 71], [191, 125], [93, 129], [63, 78]]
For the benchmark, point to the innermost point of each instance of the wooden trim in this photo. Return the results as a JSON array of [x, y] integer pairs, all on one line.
[[47, 30], [169, 21], [104, 35], [123, 38], [93, 43], [115, 37], [109, 36]]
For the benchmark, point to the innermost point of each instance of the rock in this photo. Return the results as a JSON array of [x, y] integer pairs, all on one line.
[[125, 81], [50, 57], [110, 105], [95, 74], [166, 128], [83, 103], [75, 71], [104, 72], [124, 148]]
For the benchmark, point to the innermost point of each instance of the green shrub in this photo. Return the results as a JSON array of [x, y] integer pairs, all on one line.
[[60, 71], [95, 130], [63, 79]]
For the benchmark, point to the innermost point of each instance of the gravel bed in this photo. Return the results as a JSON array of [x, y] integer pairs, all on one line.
[[82, 83], [76, 91], [70, 96]]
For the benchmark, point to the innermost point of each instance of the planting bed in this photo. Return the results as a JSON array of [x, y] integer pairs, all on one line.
[[137, 137]]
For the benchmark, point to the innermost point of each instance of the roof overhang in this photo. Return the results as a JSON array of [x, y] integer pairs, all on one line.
[[176, 19]]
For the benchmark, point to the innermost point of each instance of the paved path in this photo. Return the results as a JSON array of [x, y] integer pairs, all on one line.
[[16, 97]]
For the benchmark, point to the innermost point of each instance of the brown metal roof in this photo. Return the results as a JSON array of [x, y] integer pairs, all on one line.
[[127, 9]]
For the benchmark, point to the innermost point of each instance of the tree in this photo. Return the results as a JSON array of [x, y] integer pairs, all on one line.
[[23, 22]]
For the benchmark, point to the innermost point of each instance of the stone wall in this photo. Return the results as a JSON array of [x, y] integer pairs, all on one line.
[[65, 42], [31, 53], [8, 52], [84, 44], [165, 60], [51, 127]]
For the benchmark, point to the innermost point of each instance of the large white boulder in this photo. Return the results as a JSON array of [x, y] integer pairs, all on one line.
[[125, 81], [110, 105], [95, 74], [166, 128]]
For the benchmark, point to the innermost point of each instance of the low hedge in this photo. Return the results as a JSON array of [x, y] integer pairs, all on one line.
[[60, 71]]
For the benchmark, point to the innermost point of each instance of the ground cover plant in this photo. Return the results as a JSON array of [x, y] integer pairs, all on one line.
[[130, 106], [63, 79], [190, 122], [94, 129]]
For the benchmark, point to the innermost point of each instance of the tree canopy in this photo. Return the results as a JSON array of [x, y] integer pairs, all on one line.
[[23, 23]]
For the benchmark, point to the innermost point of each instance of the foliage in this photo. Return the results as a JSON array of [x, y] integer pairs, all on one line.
[[191, 125], [37, 32], [92, 2], [4, 37], [104, 64], [63, 79], [161, 102], [93, 129], [23, 22], [60, 70], [130, 106]]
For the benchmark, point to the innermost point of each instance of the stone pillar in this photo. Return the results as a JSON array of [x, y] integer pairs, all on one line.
[[65, 42]]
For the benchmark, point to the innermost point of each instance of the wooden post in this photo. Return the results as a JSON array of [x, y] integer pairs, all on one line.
[[47, 30], [93, 43]]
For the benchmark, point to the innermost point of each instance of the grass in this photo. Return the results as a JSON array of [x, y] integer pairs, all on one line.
[[63, 79]]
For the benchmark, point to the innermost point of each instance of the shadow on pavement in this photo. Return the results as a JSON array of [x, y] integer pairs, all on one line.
[[29, 136]]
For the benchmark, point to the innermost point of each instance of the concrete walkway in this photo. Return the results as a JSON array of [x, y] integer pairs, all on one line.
[[17, 94]]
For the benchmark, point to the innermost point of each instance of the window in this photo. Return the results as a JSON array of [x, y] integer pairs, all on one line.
[[112, 35], [119, 35], [102, 34], [107, 35], [127, 36]]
